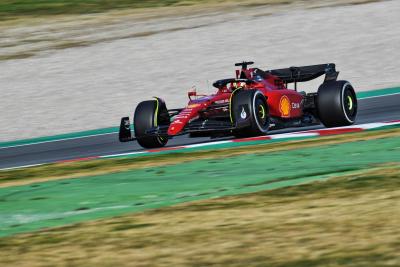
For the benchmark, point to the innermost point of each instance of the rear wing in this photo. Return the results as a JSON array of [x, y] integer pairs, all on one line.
[[302, 74], [306, 73]]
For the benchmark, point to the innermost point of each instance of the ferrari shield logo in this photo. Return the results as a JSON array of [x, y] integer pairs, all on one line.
[[284, 106]]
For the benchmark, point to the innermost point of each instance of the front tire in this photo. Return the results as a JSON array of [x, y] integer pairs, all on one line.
[[149, 114], [250, 113], [337, 104]]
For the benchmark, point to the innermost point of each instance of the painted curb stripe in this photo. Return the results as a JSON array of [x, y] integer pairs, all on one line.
[[207, 144], [165, 149], [285, 136], [293, 135], [300, 134], [257, 138], [337, 131]]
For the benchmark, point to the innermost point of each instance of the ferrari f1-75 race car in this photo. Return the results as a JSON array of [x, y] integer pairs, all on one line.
[[251, 104]]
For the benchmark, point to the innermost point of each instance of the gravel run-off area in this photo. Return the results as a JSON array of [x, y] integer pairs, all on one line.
[[87, 72]]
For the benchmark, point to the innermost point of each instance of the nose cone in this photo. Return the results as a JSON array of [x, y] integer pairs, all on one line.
[[175, 127]]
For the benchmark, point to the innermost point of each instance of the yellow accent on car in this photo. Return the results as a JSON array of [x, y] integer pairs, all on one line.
[[156, 117], [262, 111], [156, 112], [230, 104], [350, 102]]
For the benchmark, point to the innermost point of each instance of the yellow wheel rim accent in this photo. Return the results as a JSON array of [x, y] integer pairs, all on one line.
[[156, 112], [350, 102], [261, 111], [230, 104]]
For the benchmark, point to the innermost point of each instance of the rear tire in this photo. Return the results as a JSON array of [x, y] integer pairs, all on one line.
[[249, 107], [149, 114], [337, 104]]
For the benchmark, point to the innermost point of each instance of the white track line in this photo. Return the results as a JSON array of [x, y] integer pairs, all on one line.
[[208, 144], [20, 167], [57, 140], [293, 135], [375, 96]]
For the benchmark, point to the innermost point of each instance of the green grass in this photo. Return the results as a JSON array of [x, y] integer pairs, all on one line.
[[349, 220], [14, 8], [17, 8]]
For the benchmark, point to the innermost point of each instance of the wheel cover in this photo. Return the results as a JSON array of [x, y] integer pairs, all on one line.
[[261, 114], [261, 111], [349, 104]]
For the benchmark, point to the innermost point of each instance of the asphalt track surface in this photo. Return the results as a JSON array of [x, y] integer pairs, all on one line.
[[376, 109]]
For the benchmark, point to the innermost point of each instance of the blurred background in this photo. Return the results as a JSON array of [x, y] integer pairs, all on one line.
[[284, 200], [76, 65]]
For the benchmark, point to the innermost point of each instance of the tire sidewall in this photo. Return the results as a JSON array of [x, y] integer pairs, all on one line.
[[248, 99], [144, 119], [331, 104]]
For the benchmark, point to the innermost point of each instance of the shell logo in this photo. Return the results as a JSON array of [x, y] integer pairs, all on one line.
[[284, 106]]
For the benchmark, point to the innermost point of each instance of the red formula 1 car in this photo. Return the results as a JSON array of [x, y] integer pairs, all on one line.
[[249, 105]]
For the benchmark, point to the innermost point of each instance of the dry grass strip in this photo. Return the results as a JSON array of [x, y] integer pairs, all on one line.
[[346, 221]]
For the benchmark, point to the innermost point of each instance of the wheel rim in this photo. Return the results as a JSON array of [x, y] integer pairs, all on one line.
[[261, 114], [261, 111], [350, 104]]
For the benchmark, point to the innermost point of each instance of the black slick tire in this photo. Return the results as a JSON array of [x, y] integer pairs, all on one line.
[[148, 115], [336, 104], [250, 113]]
